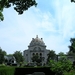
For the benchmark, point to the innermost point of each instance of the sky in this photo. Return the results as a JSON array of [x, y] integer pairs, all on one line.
[[52, 20]]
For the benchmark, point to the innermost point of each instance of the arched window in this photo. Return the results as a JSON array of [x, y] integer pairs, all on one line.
[[40, 54], [36, 53]]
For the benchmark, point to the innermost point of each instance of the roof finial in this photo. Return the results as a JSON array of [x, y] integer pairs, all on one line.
[[36, 36]]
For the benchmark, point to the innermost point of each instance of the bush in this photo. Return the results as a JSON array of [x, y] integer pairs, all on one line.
[[71, 72], [7, 70], [60, 66]]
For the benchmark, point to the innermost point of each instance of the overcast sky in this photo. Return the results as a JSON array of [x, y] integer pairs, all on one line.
[[52, 20]]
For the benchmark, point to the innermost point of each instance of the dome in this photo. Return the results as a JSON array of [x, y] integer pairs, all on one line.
[[37, 41]]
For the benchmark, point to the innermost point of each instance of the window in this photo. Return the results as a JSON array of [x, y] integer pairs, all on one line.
[[40, 54], [36, 53]]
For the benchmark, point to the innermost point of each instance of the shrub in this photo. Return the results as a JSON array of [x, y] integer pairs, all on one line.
[[60, 66], [72, 72], [7, 70]]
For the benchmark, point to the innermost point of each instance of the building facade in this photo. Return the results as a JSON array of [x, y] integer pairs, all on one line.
[[9, 60], [36, 47]]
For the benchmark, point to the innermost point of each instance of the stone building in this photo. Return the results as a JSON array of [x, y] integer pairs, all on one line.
[[10, 60], [36, 47]]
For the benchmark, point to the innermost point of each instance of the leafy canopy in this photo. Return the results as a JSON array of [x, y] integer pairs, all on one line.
[[19, 5], [19, 57], [72, 46], [72, 0], [2, 54], [60, 66], [51, 55]]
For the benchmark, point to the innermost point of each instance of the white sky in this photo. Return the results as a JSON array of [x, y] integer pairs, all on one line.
[[54, 21]]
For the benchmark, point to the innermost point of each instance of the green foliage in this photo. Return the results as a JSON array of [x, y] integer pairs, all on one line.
[[1, 16], [72, 72], [61, 54], [19, 5], [72, 47], [2, 53], [19, 57], [72, 0], [7, 70], [51, 55], [60, 66], [36, 58], [2, 4]]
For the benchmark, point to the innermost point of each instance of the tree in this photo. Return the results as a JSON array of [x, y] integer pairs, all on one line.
[[72, 0], [36, 58], [71, 51], [61, 57], [19, 57], [2, 54], [60, 67], [61, 54], [19, 5], [72, 47], [51, 55]]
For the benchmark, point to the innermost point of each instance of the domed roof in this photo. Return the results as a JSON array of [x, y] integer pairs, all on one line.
[[37, 41]]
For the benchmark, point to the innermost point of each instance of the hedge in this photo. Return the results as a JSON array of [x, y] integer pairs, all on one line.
[[7, 70]]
